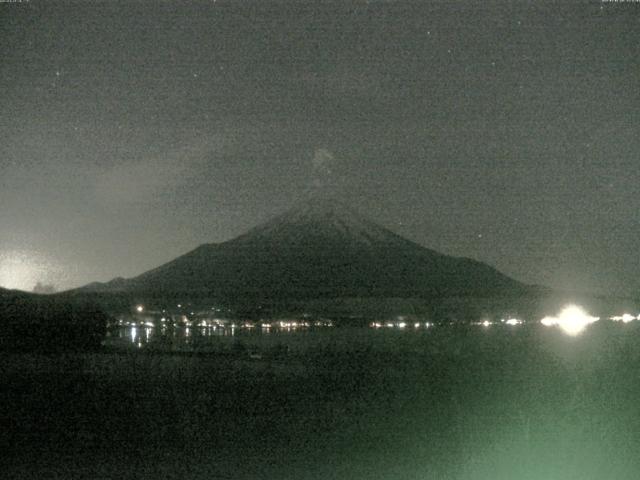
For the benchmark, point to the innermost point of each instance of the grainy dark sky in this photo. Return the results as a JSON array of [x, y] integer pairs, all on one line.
[[131, 132]]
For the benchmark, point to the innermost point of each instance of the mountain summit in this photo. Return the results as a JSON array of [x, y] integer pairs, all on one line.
[[320, 220], [318, 249]]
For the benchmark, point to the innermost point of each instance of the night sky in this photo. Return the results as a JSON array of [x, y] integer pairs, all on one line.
[[132, 132]]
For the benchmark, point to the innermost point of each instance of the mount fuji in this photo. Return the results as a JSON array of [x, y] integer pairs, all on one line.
[[319, 249]]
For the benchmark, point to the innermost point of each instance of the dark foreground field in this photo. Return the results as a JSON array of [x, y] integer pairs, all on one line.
[[451, 403]]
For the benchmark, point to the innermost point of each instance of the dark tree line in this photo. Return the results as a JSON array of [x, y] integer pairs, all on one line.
[[49, 324]]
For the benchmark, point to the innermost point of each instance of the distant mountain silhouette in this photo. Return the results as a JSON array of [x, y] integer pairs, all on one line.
[[320, 249]]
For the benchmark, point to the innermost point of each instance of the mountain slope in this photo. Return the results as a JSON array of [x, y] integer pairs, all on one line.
[[319, 249]]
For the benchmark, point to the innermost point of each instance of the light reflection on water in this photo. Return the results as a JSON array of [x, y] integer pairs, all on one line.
[[572, 321], [184, 338], [167, 336]]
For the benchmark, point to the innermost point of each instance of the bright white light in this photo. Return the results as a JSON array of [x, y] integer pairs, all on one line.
[[139, 309], [402, 325], [624, 318], [416, 325], [486, 323], [513, 321], [549, 321], [572, 320]]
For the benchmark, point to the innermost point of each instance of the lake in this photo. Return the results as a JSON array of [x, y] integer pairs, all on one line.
[[297, 335], [469, 402]]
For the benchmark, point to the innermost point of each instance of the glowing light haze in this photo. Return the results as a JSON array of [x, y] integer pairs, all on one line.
[[572, 320], [22, 269], [625, 318]]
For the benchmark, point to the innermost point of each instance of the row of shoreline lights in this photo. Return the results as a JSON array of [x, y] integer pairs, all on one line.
[[399, 324], [572, 320], [223, 324]]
